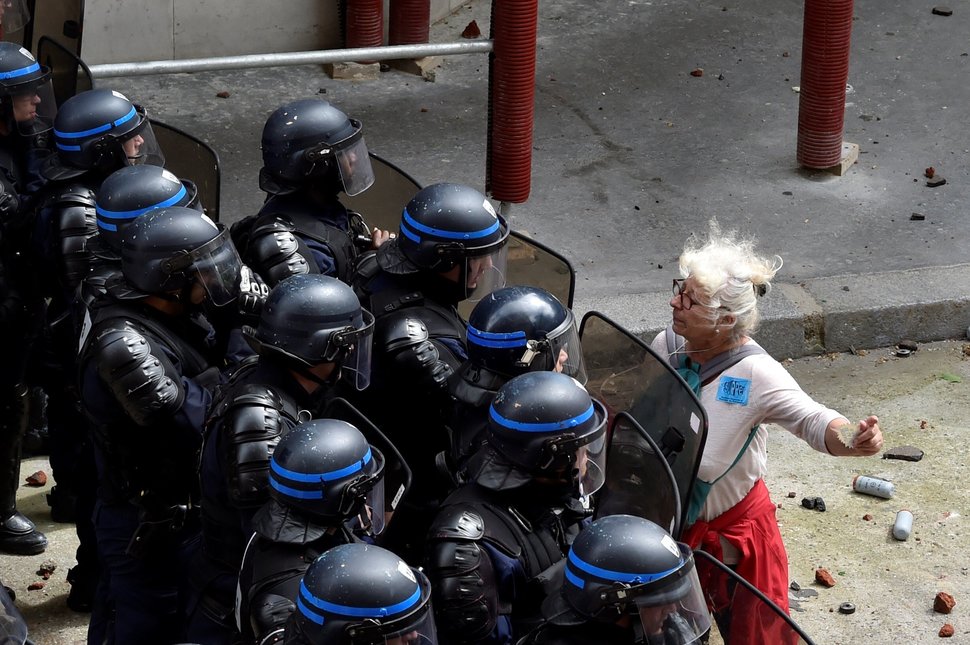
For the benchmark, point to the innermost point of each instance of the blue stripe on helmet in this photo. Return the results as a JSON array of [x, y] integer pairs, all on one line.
[[619, 576], [495, 339], [540, 427], [308, 613], [451, 235], [106, 226], [408, 233], [61, 146], [295, 493], [23, 71], [97, 130], [125, 215], [312, 478], [360, 612], [573, 578]]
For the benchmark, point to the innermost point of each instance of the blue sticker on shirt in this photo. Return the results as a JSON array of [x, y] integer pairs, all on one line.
[[733, 390]]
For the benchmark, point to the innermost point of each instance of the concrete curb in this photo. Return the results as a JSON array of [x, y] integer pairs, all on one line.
[[833, 314]]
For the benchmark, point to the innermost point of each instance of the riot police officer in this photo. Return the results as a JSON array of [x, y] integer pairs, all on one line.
[[326, 490], [147, 368], [451, 247], [498, 535], [312, 335], [626, 581], [511, 331], [357, 593], [26, 109], [312, 152]]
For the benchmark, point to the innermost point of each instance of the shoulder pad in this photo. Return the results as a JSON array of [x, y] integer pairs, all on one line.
[[272, 222], [397, 330], [71, 194], [457, 523]]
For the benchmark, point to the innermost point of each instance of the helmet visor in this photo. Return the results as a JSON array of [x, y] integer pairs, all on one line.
[[485, 273], [590, 464], [217, 267], [680, 617], [357, 343], [353, 162], [422, 633], [13, 15], [566, 351], [141, 146], [34, 109]]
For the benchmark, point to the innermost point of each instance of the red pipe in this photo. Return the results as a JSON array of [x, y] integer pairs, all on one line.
[[511, 100], [364, 24], [825, 70], [409, 22]]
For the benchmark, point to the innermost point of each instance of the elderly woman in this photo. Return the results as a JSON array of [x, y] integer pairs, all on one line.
[[715, 311]]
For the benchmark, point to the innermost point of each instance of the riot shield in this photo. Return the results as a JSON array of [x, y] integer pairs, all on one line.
[[639, 481], [191, 158], [627, 376], [397, 473], [381, 205], [69, 74], [742, 614]]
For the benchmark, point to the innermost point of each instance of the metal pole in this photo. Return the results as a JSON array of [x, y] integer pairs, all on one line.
[[248, 61]]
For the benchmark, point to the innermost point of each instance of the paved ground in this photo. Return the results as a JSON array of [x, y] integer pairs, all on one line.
[[632, 154]]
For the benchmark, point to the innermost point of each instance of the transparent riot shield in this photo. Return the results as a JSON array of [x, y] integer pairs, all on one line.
[[193, 159], [627, 376], [742, 614], [639, 481], [69, 74], [397, 473], [381, 205]]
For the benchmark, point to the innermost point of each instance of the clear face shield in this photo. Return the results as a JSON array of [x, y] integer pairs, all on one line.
[[216, 266], [587, 469], [13, 15], [371, 487], [404, 631], [675, 612], [34, 109], [564, 348], [355, 346], [485, 273], [141, 146], [353, 163]]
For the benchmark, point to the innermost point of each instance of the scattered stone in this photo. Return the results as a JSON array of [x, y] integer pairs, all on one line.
[[809, 502], [946, 631], [785, 54], [929, 172], [935, 181], [471, 30], [35, 586], [847, 608], [942, 11], [697, 72], [787, 192], [424, 109], [223, 94], [779, 505], [794, 586], [47, 569], [807, 593], [904, 453], [824, 578], [720, 77], [923, 424], [867, 117], [911, 345], [867, 517], [917, 217], [791, 494], [943, 603], [38, 479], [819, 504]]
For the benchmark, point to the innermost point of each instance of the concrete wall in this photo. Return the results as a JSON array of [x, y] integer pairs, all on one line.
[[139, 30]]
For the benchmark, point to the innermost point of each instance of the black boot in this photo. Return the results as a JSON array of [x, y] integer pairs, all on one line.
[[18, 535]]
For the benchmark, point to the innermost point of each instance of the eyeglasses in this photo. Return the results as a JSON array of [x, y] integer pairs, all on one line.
[[686, 301]]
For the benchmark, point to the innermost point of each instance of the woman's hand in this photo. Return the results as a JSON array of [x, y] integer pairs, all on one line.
[[868, 441]]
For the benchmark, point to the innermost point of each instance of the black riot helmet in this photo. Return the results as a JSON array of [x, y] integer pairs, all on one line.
[[134, 190], [446, 226], [103, 130], [25, 88], [326, 470], [522, 329], [624, 565], [311, 141], [169, 249], [543, 426], [362, 594], [312, 319]]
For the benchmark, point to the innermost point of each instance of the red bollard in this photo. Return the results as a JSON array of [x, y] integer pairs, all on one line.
[[825, 70], [409, 22], [511, 100], [364, 24]]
